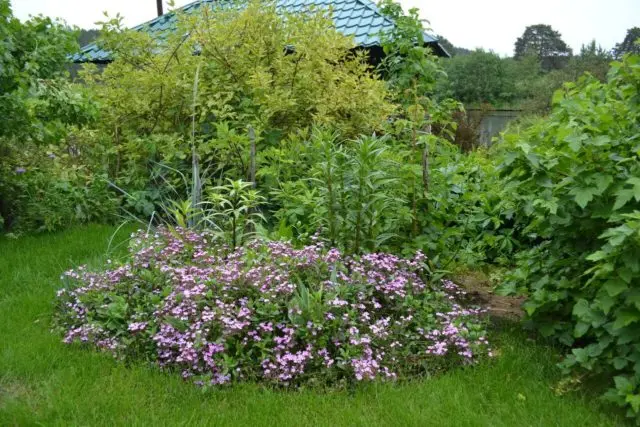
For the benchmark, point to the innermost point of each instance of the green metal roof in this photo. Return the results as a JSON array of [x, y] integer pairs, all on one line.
[[358, 18]]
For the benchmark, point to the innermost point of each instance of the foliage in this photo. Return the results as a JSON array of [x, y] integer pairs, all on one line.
[[574, 180], [544, 42], [37, 106], [270, 313], [483, 77], [87, 36], [479, 77], [234, 210], [470, 220], [35, 101], [410, 68], [94, 389], [257, 67], [353, 194], [50, 187], [451, 49], [593, 59], [629, 44]]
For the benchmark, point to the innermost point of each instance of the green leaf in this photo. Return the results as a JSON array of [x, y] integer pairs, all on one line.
[[622, 197], [615, 286], [533, 159], [605, 302], [623, 384], [620, 362], [530, 307], [580, 329], [625, 317], [597, 256], [575, 141], [634, 401], [634, 299], [600, 140], [583, 196], [581, 308], [581, 355], [602, 182], [557, 97], [178, 324], [635, 181]]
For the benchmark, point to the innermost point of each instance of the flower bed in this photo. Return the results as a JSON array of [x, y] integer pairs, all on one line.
[[268, 312]]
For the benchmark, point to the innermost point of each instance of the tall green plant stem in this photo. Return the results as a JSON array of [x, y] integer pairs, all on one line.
[[196, 184], [425, 164], [329, 155], [252, 157]]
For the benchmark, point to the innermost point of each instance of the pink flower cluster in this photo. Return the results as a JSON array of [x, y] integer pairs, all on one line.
[[270, 312]]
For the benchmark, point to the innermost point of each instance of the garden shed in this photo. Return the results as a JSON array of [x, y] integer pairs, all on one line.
[[358, 18]]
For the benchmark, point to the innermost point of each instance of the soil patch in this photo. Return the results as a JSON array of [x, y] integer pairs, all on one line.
[[480, 289]]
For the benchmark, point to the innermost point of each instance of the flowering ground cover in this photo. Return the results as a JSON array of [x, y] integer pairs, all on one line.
[[44, 381], [270, 312]]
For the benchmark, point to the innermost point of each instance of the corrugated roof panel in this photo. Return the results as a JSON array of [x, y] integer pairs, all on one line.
[[351, 17]]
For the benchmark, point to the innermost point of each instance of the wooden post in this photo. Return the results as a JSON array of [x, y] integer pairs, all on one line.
[[159, 5]]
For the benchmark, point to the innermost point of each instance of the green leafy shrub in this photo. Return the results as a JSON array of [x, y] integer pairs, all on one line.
[[44, 185], [50, 187], [279, 73], [271, 313], [480, 77], [470, 216], [354, 194], [576, 182]]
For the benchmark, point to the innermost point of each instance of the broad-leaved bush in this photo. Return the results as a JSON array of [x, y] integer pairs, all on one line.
[[575, 180], [46, 180]]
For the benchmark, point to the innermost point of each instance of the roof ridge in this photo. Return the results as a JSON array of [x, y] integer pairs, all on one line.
[[367, 32], [372, 6], [171, 12], [93, 44]]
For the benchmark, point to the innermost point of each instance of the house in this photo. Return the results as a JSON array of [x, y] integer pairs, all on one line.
[[358, 18]]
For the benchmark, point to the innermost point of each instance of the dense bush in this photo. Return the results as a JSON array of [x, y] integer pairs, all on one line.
[[45, 179], [469, 220], [480, 77], [257, 67], [484, 77], [50, 187], [354, 194], [271, 313], [575, 180]]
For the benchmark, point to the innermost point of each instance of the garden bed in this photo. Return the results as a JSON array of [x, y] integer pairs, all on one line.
[[269, 312]]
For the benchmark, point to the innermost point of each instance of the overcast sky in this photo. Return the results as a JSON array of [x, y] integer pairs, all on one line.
[[490, 24]]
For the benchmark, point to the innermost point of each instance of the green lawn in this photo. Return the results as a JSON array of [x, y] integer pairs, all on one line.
[[43, 382]]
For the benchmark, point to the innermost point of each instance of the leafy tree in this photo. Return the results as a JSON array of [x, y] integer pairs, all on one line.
[[87, 36], [409, 66], [480, 77], [258, 68], [593, 59], [412, 73], [453, 50], [40, 187], [35, 98], [544, 42], [629, 44]]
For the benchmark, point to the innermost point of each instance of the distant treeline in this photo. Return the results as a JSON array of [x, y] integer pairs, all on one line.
[[541, 63]]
